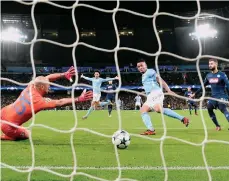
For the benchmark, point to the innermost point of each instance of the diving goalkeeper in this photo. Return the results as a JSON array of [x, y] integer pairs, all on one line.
[[20, 111]]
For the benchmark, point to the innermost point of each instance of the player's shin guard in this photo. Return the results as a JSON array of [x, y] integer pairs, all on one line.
[[147, 121], [173, 114], [212, 115]]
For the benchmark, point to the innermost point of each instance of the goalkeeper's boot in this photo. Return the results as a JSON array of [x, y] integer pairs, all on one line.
[[149, 132], [185, 121], [218, 128], [84, 117]]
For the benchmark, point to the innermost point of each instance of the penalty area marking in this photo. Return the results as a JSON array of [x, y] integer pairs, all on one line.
[[123, 168]]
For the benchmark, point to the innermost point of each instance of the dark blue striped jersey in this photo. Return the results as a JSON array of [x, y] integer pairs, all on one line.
[[188, 94], [110, 87], [219, 84]]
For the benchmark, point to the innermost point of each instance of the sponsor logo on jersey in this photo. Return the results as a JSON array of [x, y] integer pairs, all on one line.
[[213, 80]]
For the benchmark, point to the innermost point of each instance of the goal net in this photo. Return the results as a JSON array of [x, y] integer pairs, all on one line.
[[117, 48]]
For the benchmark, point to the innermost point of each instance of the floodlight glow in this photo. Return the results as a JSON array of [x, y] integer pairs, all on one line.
[[13, 34], [204, 31]]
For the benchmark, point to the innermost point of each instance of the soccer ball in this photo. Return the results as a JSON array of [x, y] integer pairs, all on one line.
[[121, 139]]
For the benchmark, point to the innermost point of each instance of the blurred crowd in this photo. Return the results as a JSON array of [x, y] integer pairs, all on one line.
[[131, 79], [127, 99]]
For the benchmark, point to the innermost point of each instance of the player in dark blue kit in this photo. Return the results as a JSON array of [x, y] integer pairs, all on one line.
[[218, 81], [110, 96], [191, 103]]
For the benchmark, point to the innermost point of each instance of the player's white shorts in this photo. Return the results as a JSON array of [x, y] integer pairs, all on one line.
[[155, 97], [96, 97], [138, 104]]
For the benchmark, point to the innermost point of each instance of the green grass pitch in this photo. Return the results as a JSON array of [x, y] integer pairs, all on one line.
[[139, 160]]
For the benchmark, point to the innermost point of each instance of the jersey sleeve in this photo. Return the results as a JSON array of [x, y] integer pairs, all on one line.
[[152, 72], [45, 103], [49, 103], [87, 78], [225, 78], [205, 84]]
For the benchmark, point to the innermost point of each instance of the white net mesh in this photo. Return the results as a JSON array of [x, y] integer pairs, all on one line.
[[115, 51]]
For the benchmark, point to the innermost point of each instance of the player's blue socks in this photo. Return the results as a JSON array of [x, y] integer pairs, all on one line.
[[173, 114], [190, 109], [103, 103], [195, 110], [110, 109], [89, 111], [213, 118], [147, 121]]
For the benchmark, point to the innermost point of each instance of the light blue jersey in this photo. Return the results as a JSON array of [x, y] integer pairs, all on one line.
[[149, 81], [96, 83]]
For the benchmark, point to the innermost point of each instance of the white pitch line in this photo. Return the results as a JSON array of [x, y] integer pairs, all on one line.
[[123, 168], [156, 128]]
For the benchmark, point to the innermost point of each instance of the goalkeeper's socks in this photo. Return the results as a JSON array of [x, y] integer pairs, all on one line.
[[173, 114], [147, 121], [103, 103], [89, 111]]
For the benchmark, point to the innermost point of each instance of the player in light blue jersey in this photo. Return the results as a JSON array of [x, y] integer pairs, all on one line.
[[155, 97], [96, 84]]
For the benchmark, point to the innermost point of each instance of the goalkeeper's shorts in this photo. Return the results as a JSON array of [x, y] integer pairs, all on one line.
[[16, 133]]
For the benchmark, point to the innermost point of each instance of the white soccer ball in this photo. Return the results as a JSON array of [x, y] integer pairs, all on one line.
[[121, 139]]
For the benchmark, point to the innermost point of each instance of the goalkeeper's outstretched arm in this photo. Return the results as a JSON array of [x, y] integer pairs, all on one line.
[[85, 96], [68, 75]]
